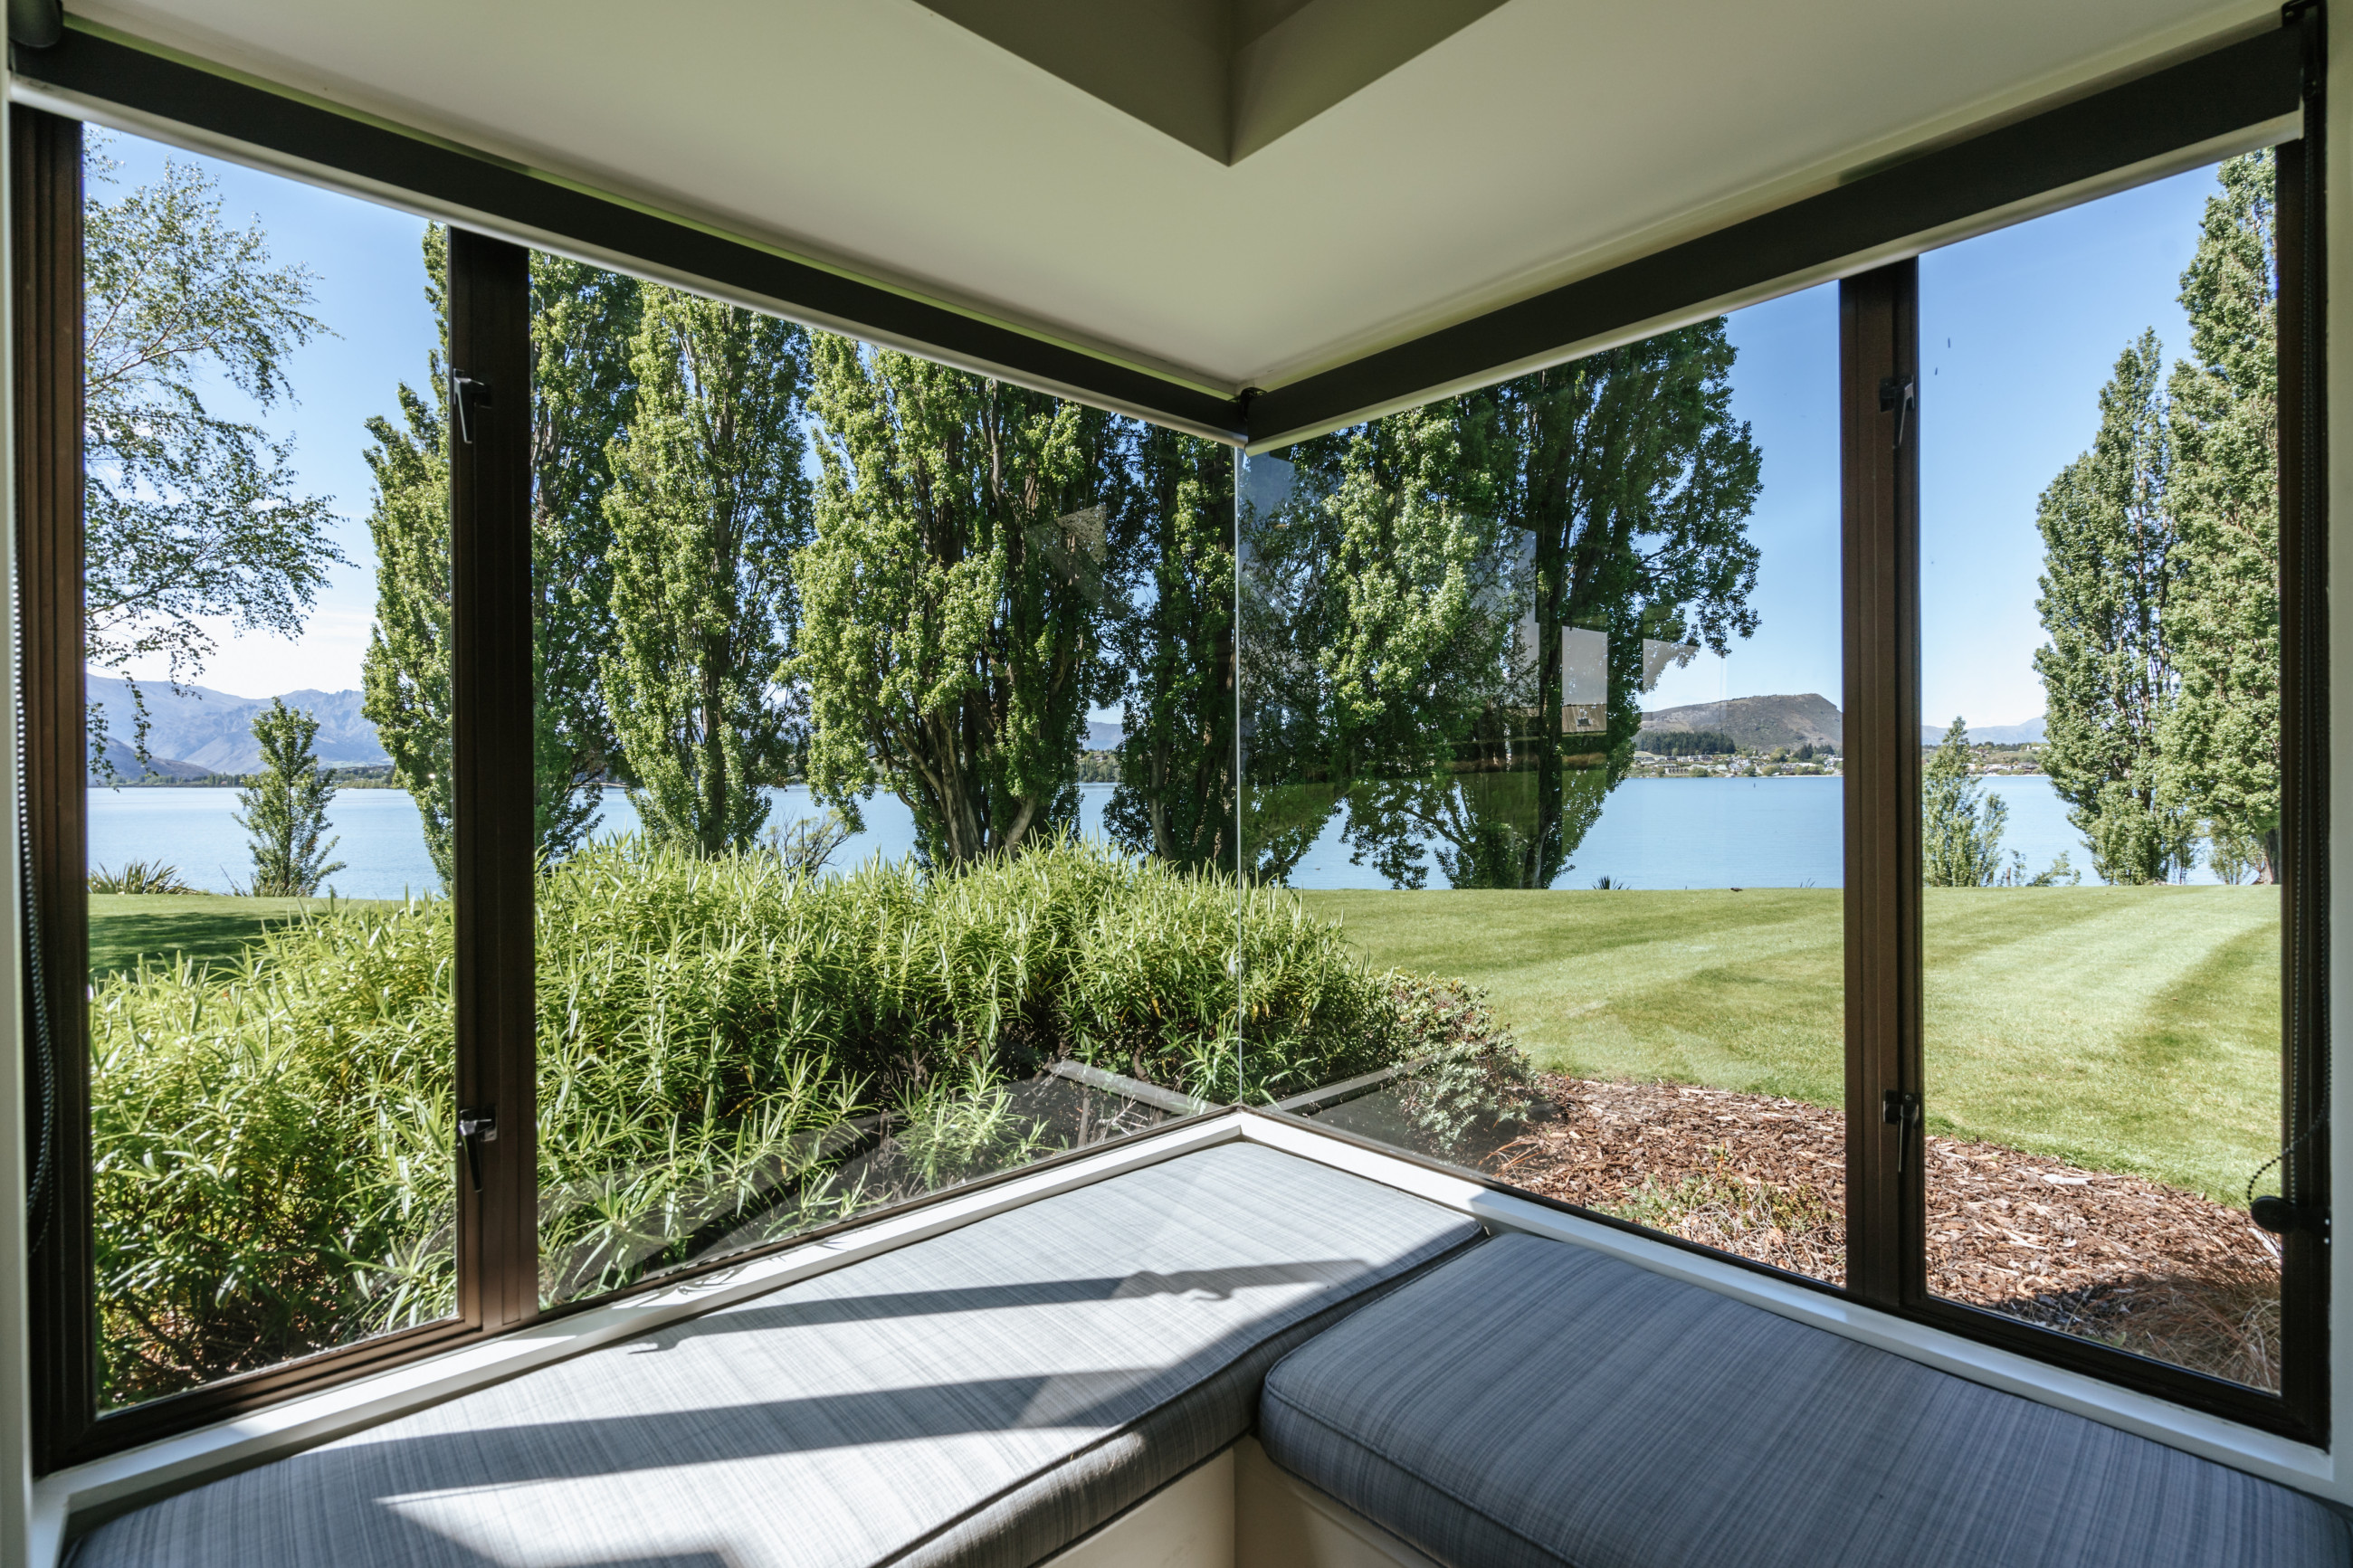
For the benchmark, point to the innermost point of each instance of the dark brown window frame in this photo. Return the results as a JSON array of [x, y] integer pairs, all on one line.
[[490, 615], [490, 584], [1881, 419]]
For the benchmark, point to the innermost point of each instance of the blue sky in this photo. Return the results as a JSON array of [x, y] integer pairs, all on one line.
[[371, 289], [2019, 330]]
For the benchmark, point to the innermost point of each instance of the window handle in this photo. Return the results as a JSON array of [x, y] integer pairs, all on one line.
[[466, 393], [1904, 1115], [1898, 394], [476, 1128]]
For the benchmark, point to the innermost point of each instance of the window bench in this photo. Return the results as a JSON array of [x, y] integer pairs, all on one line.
[[1074, 1380], [986, 1397], [1533, 1403]]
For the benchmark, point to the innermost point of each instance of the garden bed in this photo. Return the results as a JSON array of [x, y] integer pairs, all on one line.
[[2119, 1258]]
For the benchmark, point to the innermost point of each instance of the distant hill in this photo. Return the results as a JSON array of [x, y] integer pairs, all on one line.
[[199, 731], [1755, 723], [126, 765], [2028, 733]]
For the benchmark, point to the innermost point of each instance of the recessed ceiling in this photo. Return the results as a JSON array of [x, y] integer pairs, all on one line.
[[1528, 143], [1223, 76]]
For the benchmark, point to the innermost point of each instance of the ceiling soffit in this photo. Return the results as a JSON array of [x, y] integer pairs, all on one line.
[[1224, 77]]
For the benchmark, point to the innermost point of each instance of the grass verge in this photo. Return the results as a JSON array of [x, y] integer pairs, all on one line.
[[210, 930], [2125, 1029]]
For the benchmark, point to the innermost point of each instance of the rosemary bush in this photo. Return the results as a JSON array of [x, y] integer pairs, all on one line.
[[729, 1050]]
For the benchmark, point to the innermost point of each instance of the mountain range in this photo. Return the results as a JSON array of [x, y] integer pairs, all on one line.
[[1755, 723], [197, 731], [2028, 733], [1763, 723]]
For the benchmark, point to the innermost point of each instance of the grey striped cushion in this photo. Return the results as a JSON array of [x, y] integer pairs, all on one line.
[[1533, 1402], [982, 1397]]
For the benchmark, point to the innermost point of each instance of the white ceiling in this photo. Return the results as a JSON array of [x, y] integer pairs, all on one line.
[[1543, 141]]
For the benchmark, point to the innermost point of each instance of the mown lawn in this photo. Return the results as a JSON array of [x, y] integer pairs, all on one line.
[[212, 929], [2132, 1029]]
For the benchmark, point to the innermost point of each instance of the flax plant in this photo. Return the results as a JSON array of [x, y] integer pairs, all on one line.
[[730, 1051]]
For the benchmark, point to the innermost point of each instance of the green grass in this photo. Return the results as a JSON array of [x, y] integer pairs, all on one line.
[[210, 928], [2130, 1029]]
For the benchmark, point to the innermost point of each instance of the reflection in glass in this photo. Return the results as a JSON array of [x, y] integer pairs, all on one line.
[[270, 1005], [886, 807], [1559, 648], [2100, 801]]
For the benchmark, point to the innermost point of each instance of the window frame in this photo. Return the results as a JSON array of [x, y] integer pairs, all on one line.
[[489, 330], [492, 608]]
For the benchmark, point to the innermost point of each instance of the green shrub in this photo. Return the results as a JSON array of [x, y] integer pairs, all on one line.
[[729, 1051], [138, 877]]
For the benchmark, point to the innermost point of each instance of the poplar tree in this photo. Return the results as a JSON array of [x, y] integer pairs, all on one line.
[[405, 688], [1175, 647], [2220, 734], [2109, 596], [582, 326], [1373, 635], [1631, 484], [955, 604], [1455, 545], [707, 504], [284, 811]]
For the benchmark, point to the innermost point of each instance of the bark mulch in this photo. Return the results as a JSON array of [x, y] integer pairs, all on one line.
[[2124, 1260]]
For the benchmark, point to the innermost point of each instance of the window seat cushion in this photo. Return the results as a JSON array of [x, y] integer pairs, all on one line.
[[981, 1397], [1536, 1403]]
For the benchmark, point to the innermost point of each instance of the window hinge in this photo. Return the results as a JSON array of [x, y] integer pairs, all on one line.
[[476, 1128], [1903, 1109]]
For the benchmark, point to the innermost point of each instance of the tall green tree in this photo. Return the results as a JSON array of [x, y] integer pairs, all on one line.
[[1457, 545], [2107, 602], [405, 689], [584, 323], [1631, 484], [190, 516], [708, 502], [1373, 633], [2219, 735], [954, 612], [284, 811], [1174, 645], [1960, 828]]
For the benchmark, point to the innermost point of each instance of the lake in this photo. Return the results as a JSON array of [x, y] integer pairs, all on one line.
[[1736, 833], [1654, 833], [195, 830]]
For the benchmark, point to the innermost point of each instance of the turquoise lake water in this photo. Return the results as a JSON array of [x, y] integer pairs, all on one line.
[[1653, 833], [384, 845]]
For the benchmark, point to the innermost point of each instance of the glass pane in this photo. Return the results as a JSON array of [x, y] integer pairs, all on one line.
[[269, 1015], [885, 784], [1542, 744], [2100, 617]]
